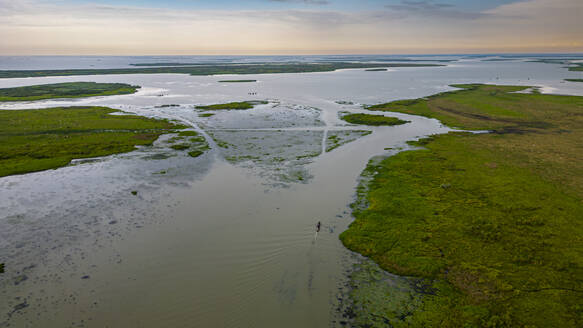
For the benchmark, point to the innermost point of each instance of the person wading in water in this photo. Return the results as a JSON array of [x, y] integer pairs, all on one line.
[[318, 226]]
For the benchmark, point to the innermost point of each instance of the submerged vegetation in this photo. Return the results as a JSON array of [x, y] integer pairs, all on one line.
[[493, 222], [65, 90], [376, 120], [42, 139], [233, 105], [197, 144], [225, 69], [336, 139]]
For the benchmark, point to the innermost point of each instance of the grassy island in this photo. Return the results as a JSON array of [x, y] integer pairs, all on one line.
[[42, 139], [367, 119], [493, 223], [65, 90], [225, 69], [233, 105], [574, 80]]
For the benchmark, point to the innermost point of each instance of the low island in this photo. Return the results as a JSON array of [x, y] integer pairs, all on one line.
[[376, 120], [41, 139], [232, 105], [65, 90]]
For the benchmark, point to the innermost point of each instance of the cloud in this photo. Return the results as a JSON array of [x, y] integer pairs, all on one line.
[[432, 8], [39, 27], [420, 5]]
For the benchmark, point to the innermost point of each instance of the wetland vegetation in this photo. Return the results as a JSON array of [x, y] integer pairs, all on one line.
[[232, 105], [368, 119], [41, 139], [490, 222], [336, 139], [65, 90], [196, 144], [267, 68], [574, 80]]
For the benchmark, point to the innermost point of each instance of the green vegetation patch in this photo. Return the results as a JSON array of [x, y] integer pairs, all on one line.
[[42, 139], [180, 146], [494, 220], [376, 70], [197, 144], [479, 106], [367, 119], [336, 139], [232, 105], [199, 147], [195, 153], [574, 80], [237, 81], [65, 90], [188, 134]]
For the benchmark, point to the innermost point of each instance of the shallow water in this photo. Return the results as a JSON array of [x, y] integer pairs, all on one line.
[[226, 239]]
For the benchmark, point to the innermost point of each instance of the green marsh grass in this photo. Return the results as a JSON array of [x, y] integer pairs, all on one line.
[[42, 139], [376, 120], [232, 105], [65, 90], [495, 220]]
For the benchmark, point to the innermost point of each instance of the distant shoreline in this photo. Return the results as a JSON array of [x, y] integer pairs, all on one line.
[[267, 68]]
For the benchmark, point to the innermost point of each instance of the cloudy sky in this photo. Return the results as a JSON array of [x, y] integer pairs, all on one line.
[[201, 27]]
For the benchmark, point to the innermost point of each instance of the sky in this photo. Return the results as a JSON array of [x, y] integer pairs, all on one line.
[[287, 27]]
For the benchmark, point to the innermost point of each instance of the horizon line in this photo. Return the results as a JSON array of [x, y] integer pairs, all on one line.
[[295, 55]]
